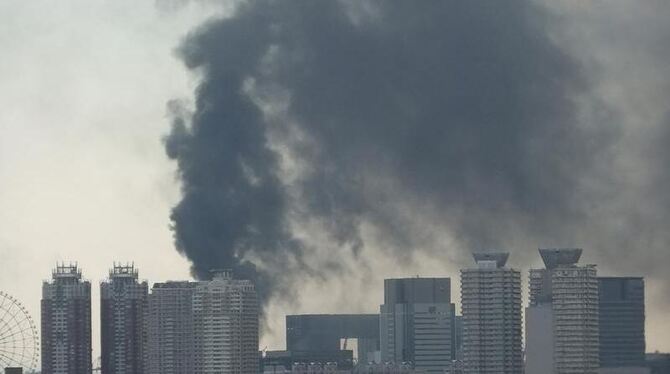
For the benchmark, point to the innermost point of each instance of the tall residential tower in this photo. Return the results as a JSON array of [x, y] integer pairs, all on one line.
[[491, 310], [170, 328], [123, 317], [225, 312], [562, 334], [66, 322]]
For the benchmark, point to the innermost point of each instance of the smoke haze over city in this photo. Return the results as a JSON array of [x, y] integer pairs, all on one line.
[[324, 131], [320, 147]]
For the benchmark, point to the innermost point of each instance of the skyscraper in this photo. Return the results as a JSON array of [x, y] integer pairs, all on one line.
[[225, 312], [66, 322], [170, 328], [491, 314], [417, 323], [622, 342], [562, 335], [123, 317]]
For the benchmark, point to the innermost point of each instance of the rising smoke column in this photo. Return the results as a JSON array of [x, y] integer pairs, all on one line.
[[467, 107]]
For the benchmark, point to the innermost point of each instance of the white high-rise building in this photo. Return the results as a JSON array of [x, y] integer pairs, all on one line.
[[562, 317], [225, 312], [491, 315]]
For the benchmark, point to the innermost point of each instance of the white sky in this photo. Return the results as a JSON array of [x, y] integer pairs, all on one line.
[[83, 173]]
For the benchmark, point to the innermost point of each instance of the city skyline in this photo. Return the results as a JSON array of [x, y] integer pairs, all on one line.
[[455, 287], [443, 130], [621, 308]]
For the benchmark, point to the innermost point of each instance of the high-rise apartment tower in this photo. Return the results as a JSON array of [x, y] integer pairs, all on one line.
[[491, 315], [66, 322], [225, 312], [562, 334], [170, 328], [123, 318]]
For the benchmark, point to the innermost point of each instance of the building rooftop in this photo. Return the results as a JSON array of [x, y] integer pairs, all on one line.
[[123, 271], [553, 257], [500, 258], [66, 271]]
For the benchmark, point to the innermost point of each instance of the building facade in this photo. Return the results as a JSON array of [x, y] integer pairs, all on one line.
[[325, 332], [123, 322], [622, 336], [66, 322], [225, 312], [170, 328], [491, 316], [562, 319], [417, 323]]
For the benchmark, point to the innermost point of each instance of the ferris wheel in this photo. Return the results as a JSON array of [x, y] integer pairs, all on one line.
[[18, 335]]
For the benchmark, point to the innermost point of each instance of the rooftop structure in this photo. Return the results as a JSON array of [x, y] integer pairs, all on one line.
[[554, 257], [499, 258]]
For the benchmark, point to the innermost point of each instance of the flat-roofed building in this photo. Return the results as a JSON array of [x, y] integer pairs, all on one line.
[[417, 323], [622, 337]]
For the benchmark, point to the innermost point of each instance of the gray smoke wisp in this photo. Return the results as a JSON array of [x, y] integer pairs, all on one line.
[[390, 116]]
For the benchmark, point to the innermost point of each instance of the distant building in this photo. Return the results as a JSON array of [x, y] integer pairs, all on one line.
[[123, 318], [207, 327], [170, 328], [491, 315], [458, 337], [622, 340], [327, 332], [625, 370], [562, 334], [225, 312], [658, 363], [66, 322], [296, 361], [417, 323], [385, 368]]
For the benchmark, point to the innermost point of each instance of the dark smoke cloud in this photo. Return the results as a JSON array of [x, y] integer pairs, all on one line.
[[464, 109]]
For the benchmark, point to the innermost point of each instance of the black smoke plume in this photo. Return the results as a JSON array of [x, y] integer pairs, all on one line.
[[385, 114]]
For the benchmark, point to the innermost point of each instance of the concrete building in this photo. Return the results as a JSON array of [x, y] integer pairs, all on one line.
[[622, 340], [491, 315], [330, 332], [417, 323], [562, 333], [170, 328], [287, 361], [66, 322], [658, 363], [123, 321], [225, 312]]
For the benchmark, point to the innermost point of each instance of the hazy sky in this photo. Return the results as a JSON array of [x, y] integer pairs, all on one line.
[[84, 176]]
